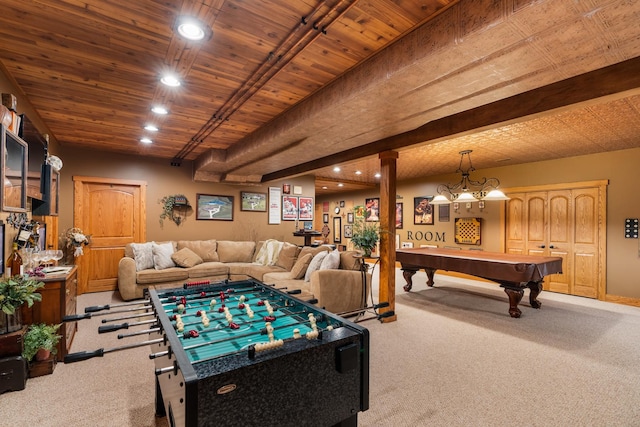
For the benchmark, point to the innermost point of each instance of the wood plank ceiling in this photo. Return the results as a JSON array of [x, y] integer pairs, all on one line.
[[284, 83]]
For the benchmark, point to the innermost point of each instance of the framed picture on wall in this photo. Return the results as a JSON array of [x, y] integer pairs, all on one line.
[[372, 207], [325, 218], [350, 217], [423, 210], [398, 216], [289, 208], [306, 208], [348, 231], [337, 232], [214, 207], [444, 213], [253, 202]]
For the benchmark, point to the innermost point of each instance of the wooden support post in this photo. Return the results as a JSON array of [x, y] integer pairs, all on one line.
[[387, 290]]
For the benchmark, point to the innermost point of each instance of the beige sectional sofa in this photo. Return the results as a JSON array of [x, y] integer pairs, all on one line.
[[333, 278]]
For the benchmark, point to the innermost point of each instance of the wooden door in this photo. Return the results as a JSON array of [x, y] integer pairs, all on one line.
[[587, 247], [113, 213], [560, 239], [565, 222]]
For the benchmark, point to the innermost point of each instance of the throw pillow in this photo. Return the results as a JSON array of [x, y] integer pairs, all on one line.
[[331, 261], [268, 253], [143, 254], [315, 264], [205, 249], [186, 258], [300, 267], [287, 256], [162, 255]]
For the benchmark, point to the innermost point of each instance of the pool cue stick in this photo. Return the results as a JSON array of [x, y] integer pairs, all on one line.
[[112, 328], [360, 310], [84, 355], [95, 308]]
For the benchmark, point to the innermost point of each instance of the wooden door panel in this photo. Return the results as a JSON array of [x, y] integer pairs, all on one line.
[[515, 233], [559, 282], [585, 275]]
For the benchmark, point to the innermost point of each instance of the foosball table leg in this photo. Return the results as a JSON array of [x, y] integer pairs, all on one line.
[[160, 411]]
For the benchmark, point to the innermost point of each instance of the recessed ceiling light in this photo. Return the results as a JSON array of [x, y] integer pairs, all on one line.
[[358, 173], [336, 169], [378, 175], [191, 28], [340, 185], [151, 128], [324, 187], [170, 80], [146, 140], [159, 110]]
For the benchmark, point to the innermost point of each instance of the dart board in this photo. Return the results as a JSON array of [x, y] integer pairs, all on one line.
[[467, 231]]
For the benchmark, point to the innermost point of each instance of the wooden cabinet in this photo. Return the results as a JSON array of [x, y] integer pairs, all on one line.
[[58, 300]]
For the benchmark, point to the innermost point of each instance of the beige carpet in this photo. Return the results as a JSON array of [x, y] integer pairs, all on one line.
[[453, 358]]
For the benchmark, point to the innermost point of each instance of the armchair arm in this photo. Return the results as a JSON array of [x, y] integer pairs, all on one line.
[[127, 279], [340, 290]]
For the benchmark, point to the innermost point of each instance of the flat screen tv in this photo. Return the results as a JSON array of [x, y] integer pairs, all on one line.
[[37, 157]]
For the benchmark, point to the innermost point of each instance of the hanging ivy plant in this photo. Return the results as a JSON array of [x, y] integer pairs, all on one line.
[[172, 207]]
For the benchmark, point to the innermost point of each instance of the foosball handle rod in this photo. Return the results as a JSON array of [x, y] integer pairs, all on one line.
[[111, 328], [95, 308], [84, 355], [386, 314]]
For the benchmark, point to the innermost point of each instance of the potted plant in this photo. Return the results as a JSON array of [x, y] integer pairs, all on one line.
[[15, 291], [169, 206], [40, 341], [365, 233]]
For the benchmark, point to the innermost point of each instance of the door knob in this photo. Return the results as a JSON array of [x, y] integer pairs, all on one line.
[[551, 246], [541, 246]]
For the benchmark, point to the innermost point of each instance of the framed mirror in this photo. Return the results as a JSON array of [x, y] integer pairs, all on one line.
[[14, 152]]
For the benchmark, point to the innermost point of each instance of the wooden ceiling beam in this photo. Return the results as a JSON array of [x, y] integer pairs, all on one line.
[[615, 81]]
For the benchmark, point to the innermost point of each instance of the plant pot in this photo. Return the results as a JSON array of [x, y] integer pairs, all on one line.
[[42, 355]]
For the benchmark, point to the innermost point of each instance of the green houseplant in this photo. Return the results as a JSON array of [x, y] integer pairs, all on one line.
[[170, 204], [40, 341], [365, 234], [15, 291]]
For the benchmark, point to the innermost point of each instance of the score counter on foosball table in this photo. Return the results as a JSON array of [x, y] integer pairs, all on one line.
[[244, 353]]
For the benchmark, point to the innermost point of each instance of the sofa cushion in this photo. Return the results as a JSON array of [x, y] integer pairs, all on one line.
[[185, 257], [300, 267], [162, 255], [207, 269], [331, 261], [151, 276], [313, 250], [287, 256], [205, 249], [315, 264], [349, 262], [229, 251], [143, 254], [250, 269]]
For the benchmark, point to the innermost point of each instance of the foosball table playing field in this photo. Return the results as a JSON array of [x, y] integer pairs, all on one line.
[[245, 353]]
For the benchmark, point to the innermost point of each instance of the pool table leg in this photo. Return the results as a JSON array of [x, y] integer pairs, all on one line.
[[408, 273], [534, 290], [515, 296]]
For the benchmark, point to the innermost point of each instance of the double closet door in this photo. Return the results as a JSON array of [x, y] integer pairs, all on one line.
[[567, 221]]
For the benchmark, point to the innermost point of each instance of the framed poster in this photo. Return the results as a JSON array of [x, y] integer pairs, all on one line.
[[348, 231], [325, 218], [398, 215], [253, 202], [423, 210], [444, 213], [337, 232], [214, 207], [289, 208], [305, 212], [274, 205], [350, 217], [372, 207]]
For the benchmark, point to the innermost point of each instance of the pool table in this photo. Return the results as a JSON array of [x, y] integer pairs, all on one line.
[[512, 272]]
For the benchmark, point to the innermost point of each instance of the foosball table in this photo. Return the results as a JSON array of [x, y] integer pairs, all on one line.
[[245, 353]]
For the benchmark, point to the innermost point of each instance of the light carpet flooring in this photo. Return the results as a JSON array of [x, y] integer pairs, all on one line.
[[454, 357]]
